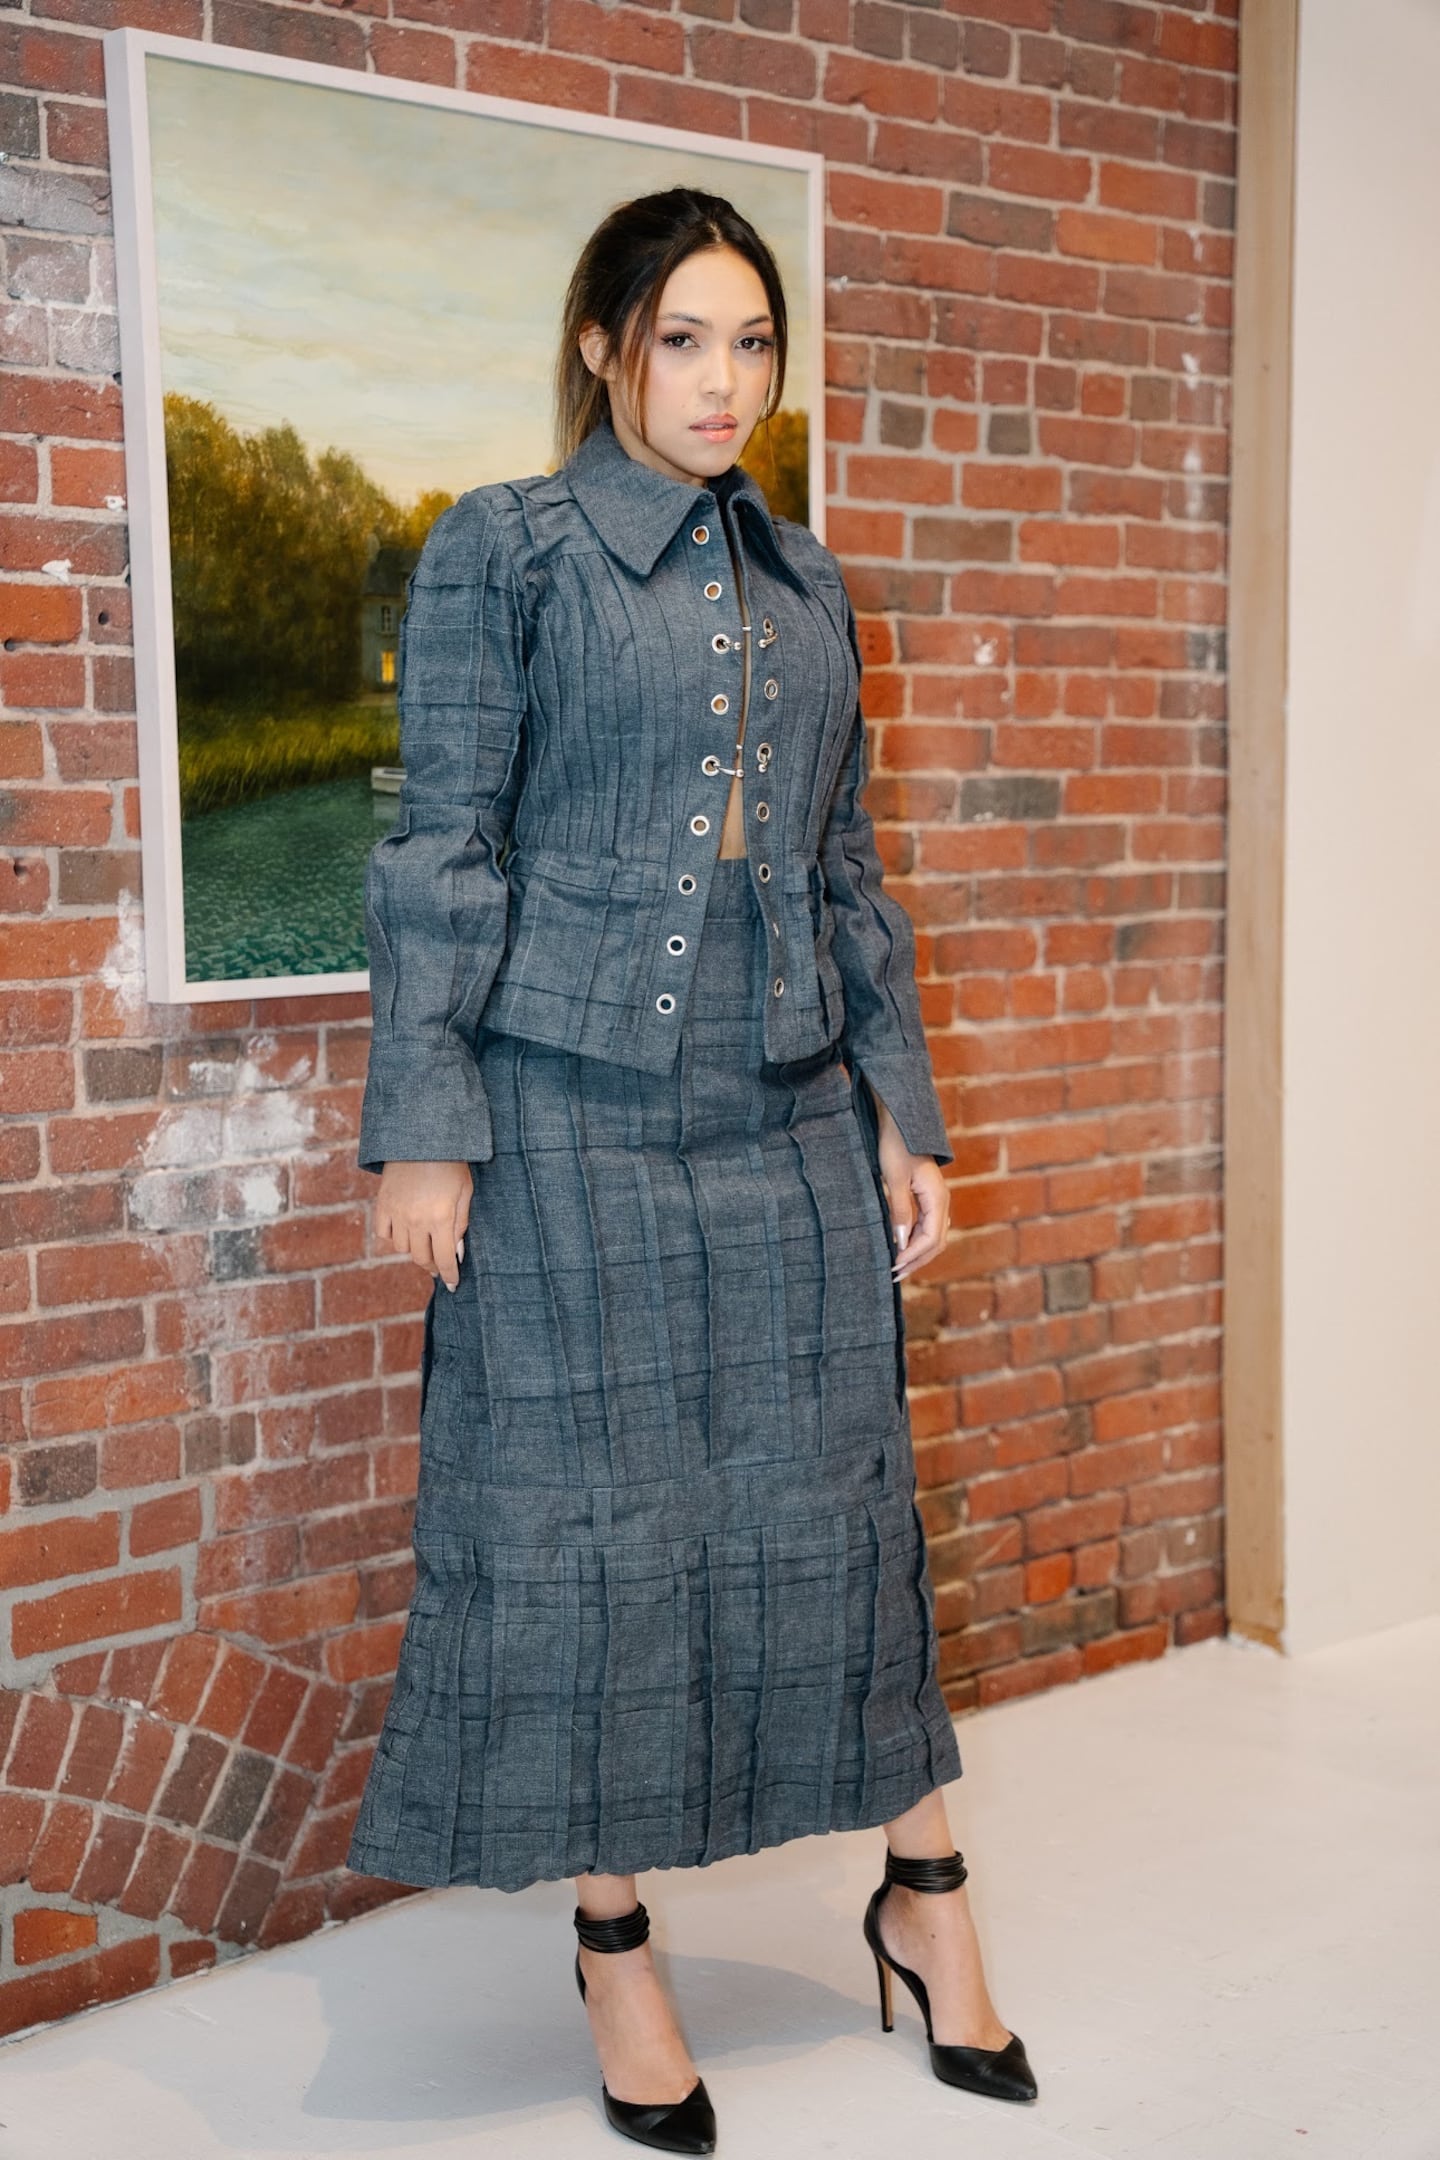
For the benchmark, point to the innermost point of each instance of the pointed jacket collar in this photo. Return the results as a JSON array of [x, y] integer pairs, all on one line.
[[637, 511]]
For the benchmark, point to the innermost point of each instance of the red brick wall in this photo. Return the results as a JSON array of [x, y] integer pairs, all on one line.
[[207, 1375]]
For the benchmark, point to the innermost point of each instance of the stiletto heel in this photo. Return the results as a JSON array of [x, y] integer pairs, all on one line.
[[681, 2126], [887, 2013], [1000, 2073]]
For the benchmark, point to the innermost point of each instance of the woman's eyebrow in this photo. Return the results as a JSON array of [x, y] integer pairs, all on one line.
[[703, 322]]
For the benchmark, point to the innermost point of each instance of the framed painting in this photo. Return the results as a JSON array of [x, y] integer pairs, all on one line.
[[339, 297]]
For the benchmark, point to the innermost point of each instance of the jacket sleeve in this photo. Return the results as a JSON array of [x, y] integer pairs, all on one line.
[[436, 891], [874, 949]]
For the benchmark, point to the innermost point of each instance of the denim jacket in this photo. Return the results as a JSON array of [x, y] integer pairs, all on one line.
[[570, 673]]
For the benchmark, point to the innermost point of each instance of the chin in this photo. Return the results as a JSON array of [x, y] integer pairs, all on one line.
[[701, 446]]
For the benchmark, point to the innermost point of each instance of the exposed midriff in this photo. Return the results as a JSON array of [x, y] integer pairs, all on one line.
[[732, 831]]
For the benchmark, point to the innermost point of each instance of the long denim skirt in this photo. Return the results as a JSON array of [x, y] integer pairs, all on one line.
[[672, 1597]]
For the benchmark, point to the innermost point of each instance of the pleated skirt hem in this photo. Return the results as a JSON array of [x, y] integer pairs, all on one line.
[[416, 1861]]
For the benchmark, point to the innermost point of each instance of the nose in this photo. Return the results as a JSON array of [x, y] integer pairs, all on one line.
[[720, 372]]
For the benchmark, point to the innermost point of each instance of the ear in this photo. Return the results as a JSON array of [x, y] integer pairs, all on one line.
[[594, 351]]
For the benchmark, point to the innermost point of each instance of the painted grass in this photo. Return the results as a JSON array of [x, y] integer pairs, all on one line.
[[230, 757]]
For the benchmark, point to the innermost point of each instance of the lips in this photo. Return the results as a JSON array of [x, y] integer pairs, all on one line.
[[717, 424]]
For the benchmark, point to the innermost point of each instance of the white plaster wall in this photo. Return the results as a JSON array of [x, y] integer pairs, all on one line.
[[1362, 839]]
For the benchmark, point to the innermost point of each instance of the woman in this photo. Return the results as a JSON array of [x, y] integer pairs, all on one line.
[[657, 1111]]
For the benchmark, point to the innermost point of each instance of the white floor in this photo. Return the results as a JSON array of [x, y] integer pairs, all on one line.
[[1209, 1890]]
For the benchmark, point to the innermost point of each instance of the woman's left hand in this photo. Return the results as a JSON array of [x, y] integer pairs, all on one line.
[[917, 1195]]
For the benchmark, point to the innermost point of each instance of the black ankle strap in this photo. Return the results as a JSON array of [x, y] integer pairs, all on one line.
[[626, 1932], [942, 1874]]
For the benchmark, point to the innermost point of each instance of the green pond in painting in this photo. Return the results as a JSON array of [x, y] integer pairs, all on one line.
[[276, 887]]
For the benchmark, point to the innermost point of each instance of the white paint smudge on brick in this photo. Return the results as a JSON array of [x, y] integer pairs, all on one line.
[[1193, 463], [191, 1133], [210, 1076], [123, 968], [251, 1075], [262, 1196], [58, 567], [273, 1124], [246, 1111]]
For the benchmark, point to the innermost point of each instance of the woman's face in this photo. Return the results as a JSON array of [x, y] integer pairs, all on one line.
[[707, 371]]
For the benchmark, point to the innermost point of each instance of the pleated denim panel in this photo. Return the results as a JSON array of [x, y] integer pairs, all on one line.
[[672, 1594]]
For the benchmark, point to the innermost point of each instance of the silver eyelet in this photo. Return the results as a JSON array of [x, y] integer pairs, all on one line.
[[762, 811], [772, 688], [779, 984], [719, 643], [713, 590], [699, 824], [700, 535], [768, 627], [685, 882], [665, 1003], [675, 944], [763, 872], [710, 764], [720, 704], [763, 755]]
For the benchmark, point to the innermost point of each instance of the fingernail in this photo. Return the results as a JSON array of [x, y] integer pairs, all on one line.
[[902, 1236]]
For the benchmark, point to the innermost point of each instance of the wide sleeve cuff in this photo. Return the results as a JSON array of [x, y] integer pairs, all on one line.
[[906, 1086], [420, 1107]]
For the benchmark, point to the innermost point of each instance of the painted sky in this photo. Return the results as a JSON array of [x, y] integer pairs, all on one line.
[[387, 276]]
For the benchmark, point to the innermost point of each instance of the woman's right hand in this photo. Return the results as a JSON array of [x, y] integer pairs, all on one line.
[[422, 1209]]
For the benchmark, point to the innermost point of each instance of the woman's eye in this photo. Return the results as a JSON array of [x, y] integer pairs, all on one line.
[[759, 344], [675, 337]]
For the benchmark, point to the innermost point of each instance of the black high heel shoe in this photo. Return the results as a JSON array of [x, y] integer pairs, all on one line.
[[681, 2126], [1000, 2073]]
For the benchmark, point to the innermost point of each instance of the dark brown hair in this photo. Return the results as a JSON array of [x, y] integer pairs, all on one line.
[[617, 283]]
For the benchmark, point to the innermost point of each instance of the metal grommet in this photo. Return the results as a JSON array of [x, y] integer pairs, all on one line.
[[675, 944], [720, 703], [719, 643], [699, 824], [713, 590], [763, 871], [762, 756], [685, 882], [700, 535], [779, 984], [762, 811], [772, 688], [665, 1003], [710, 764]]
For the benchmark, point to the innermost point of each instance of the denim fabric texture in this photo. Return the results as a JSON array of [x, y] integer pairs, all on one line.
[[569, 660], [672, 1598], [672, 1595]]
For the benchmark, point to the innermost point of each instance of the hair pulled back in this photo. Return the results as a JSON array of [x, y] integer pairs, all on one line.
[[617, 283]]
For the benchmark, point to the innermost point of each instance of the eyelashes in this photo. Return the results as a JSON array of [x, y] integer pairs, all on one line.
[[752, 338]]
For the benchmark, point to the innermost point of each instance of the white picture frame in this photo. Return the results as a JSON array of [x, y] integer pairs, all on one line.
[[211, 286]]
